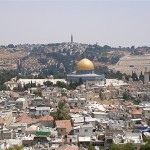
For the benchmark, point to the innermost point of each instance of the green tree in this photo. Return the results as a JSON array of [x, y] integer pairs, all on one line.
[[116, 147], [106, 47], [38, 93], [80, 81], [48, 83], [61, 84], [11, 46], [125, 95], [73, 85], [60, 113], [90, 147], [127, 146], [134, 76], [4, 77], [132, 47], [141, 77], [119, 75], [145, 147], [2, 87], [26, 86]]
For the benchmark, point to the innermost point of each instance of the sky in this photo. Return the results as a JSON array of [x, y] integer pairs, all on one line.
[[107, 22]]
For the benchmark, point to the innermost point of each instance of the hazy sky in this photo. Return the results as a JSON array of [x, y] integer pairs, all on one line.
[[114, 22]]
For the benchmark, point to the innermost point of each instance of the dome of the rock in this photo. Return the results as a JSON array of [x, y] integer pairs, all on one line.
[[85, 64]]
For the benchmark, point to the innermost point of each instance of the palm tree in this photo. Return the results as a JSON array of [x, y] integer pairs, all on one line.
[[60, 113]]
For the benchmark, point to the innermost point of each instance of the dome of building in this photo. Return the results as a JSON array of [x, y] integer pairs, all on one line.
[[85, 64]]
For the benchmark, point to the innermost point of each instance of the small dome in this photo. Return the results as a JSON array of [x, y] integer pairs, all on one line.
[[85, 64]]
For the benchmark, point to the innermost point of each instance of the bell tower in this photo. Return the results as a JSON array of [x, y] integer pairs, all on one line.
[[71, 38]]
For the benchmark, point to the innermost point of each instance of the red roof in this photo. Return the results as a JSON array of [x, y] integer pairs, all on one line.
[[46, 118], [76, 110], [24, 119], [14, 94], [132, 88], [128, 104], [68, 147], [136, 112], [64, 124], [1, 121]]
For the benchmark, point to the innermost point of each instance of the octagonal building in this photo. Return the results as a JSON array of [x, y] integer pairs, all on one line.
[[85, 73]]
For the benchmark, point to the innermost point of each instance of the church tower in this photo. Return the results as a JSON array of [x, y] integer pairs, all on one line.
[[71, 38]]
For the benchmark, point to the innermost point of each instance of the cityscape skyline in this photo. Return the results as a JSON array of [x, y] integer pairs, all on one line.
[[114, 23]]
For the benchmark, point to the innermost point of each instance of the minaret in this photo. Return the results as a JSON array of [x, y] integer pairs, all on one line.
[[71, 38]]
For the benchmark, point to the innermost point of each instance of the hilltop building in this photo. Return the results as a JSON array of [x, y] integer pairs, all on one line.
[[85, 73]]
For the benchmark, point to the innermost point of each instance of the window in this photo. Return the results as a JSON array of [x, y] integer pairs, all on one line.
[[75, 104], [109, 141], [86, 130], [138, 122], [77, 130]]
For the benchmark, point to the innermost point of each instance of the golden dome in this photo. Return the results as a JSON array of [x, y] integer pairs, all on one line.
[[85, 64]]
